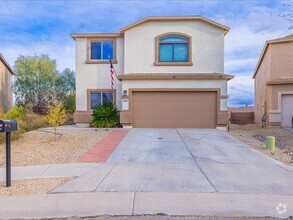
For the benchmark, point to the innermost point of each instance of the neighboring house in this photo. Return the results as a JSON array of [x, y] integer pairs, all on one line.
[[170, 73], [273, 80], [6, 94]]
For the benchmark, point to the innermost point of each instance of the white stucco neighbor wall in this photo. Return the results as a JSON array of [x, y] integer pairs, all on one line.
[[95, 76], [207, 47], [194, 84]]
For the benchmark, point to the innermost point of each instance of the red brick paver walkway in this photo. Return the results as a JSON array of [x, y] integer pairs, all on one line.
[[102, 150]]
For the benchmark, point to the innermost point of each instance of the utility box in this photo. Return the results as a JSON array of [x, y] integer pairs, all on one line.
[[8, 125]]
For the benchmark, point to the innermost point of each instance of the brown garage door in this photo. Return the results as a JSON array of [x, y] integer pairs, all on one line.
[[174, 109]]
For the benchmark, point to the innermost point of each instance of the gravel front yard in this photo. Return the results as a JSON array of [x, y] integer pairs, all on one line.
[[31, 187], [255, 136], [36, 147]]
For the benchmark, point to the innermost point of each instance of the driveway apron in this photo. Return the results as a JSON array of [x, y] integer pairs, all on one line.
[[185, 160]]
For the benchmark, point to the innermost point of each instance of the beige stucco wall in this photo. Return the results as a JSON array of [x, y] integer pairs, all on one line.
[[95, 76], [260, 94], [277, 89], [6, 94], [281, 60], [194, 84], [207, 47]]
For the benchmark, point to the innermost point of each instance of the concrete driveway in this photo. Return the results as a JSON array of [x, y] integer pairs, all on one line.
[[185, 160]]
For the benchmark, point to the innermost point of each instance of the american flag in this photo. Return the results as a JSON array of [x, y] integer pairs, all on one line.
[[112, 72]]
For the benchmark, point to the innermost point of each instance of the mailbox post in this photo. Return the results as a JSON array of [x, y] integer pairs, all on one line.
[[7, 126]]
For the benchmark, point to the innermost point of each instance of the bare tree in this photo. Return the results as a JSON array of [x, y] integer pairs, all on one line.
[[287, 14]]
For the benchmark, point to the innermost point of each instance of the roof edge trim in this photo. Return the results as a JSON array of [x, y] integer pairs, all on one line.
[[6, 64], [175, 76], [174, 18], [95, 35], [274, 41]]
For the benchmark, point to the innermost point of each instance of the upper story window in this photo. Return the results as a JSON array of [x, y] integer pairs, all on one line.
[[100, 50], [173, 50]]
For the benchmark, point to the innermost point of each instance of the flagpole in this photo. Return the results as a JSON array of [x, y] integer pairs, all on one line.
[[112, 71], [113, 66]]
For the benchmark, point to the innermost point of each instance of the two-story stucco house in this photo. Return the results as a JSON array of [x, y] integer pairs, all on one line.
[[170, 73], [6, 94], [273, 83]]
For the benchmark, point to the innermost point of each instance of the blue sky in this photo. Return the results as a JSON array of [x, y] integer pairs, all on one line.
[[43, 27]]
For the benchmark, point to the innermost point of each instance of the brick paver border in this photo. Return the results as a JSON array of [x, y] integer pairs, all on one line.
[[102, 150]]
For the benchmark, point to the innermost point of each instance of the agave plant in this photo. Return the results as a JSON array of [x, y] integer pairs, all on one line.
[[105, 115]]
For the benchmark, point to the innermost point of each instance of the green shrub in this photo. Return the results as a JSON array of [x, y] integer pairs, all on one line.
[[28, 121], [14, 113], [1, 113], [105, 116]]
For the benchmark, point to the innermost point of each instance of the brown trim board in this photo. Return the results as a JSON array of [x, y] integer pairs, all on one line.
[[82, 116], [174, 76], [176, 18], [96, 35]]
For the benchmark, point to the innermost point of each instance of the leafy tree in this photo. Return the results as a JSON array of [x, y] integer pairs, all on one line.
[[64, 85], [38, 84], [69, 103], [56, 117], [105, 116], [35, 76], [67, 80]]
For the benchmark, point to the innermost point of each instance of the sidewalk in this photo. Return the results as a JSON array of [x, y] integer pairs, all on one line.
[[82, 200], [48, 171], [144, 203], [289, 129]]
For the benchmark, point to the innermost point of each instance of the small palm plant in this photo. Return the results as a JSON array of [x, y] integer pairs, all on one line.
[[105, 116]]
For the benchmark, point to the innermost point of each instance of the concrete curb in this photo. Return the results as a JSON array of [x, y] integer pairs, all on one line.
[[145, 203]]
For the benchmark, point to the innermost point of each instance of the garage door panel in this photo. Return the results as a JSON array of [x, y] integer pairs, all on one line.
[[287, 110], [174, 109]]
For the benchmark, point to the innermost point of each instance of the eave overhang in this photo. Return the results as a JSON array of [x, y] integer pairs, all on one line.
[[175, 76]]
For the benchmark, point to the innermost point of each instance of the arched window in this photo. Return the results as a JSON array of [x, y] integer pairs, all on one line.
[[173, 49]]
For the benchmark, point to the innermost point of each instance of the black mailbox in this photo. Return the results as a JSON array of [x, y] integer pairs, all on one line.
[[8, 125]]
